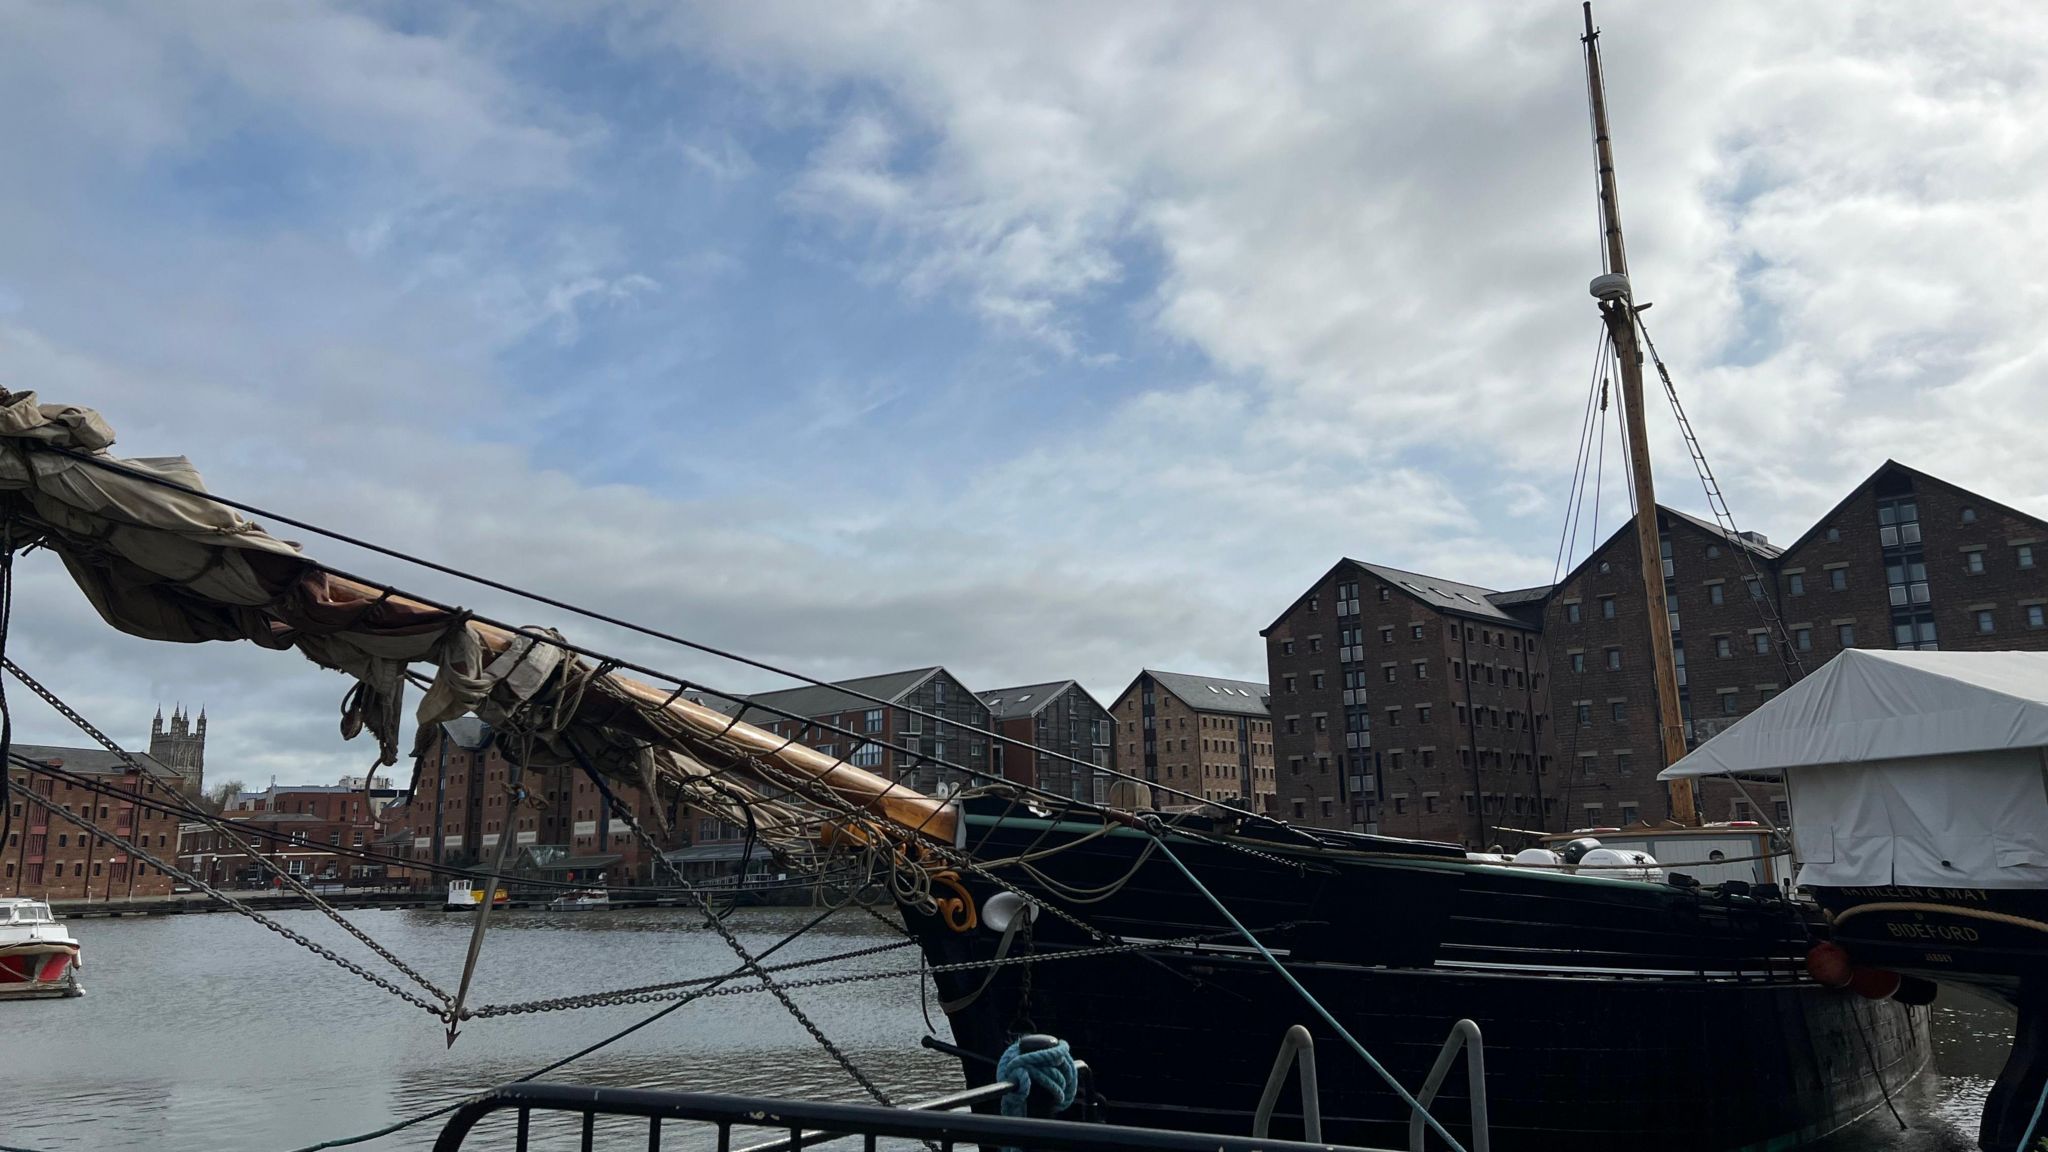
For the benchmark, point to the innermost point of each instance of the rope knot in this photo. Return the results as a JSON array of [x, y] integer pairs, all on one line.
[[1048, 1064]]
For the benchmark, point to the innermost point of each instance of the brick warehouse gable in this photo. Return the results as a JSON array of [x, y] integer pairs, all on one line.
[[1408, 704], [1591, 701]]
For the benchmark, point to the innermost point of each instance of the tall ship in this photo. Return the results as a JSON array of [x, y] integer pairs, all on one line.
[[1598, 1001]]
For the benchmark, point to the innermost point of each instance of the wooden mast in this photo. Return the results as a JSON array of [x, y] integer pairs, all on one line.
[[1618, 309]]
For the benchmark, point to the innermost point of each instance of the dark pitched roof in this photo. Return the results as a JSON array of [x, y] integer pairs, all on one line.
[[1760, 547], [1519, 596], [1445, 595], [1214, 693], [1023, 700], [92, 761], [825, 699]]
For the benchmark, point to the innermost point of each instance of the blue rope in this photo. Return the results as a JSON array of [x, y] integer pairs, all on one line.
[[1051, 1069], [1434, 1124], [2026, 1143]]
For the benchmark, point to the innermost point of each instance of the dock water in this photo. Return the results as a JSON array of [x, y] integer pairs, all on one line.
[[203, 1033]]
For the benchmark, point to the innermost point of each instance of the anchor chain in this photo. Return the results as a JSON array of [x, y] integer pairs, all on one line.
[[223, 828]]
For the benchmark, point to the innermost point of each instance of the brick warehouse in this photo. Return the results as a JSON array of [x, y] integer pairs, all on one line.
[[1904, 560], [1409, 704], [1201, 734], [49, 857], [1056, 723]]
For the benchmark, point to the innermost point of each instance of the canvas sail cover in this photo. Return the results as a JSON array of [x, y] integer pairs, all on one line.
[[1905, 768], [173, 565]]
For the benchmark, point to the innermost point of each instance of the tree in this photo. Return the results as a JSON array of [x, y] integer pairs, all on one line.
[[217, 797]]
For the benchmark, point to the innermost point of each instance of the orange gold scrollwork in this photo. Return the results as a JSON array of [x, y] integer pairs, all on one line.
[[957, 910]]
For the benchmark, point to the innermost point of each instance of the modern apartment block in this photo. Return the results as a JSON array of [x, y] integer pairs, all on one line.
[[1204, 735], [1905, 560], [1055, 724], [1410, 705], [891, 738]]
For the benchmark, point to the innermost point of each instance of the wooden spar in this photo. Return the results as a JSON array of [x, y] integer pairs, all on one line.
[[1619, 311], [899, 804]]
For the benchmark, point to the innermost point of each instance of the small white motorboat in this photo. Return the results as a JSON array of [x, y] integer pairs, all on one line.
[[38, 956]]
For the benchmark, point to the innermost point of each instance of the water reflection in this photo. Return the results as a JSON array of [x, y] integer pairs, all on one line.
[[210, 1034]]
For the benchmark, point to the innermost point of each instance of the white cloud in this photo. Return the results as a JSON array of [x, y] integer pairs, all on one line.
[[1340, 252]]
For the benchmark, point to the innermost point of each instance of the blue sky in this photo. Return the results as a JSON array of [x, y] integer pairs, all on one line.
[[1037, 340]]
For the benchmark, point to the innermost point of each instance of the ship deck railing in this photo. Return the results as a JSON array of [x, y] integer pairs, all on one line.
[[590, 1118]]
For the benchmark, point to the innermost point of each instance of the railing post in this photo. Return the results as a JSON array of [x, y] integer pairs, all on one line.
[[1297, 1043], [1464, 1034]]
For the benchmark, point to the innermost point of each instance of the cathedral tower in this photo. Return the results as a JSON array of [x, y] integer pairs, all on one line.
[[181, 747]]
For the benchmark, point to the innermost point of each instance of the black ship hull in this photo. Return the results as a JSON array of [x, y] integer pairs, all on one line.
[[1615, 1013], [1991, 940]]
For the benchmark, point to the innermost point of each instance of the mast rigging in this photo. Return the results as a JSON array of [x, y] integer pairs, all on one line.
[[1618, 310]]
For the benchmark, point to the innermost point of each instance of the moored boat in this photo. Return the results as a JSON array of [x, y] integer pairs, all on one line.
[[465, 896], [39, 958], [1607, 1006], [1918, 783], [582, 899]]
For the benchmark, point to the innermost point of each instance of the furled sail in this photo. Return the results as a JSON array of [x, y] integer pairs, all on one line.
[[170, 564]]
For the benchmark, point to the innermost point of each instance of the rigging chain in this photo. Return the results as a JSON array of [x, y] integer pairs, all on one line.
[[220, 826], [172, 870]]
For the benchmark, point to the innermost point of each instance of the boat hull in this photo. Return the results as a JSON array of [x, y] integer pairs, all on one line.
[[1991, 940], [39, 972], [1614, 1014]]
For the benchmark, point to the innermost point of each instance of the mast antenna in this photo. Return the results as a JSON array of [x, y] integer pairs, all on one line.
[[1618, 310]]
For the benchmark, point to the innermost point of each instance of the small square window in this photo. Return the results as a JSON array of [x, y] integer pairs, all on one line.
[[1969, 515], [1287, 647], [1315, 643], [1415, 632], [1834, 536], [1729, 704]]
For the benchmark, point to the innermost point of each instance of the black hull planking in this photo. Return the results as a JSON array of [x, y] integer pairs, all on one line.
[[1615, 1013], [1991, 939]]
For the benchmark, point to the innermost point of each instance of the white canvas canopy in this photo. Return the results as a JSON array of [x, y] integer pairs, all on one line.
[[1905, 768]]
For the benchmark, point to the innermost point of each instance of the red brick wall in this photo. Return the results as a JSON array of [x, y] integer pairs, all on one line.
[[47, 856]]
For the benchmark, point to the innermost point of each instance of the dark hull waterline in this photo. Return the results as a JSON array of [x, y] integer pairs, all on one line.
[[1615, 1013], [1991, 940]]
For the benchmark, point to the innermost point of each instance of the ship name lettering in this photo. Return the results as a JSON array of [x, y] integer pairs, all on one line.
[[1961, 932], [1915, 893]]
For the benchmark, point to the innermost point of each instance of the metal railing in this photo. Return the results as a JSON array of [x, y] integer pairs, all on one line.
[[1464, 1034], [805, 1122], [1298, 1046]]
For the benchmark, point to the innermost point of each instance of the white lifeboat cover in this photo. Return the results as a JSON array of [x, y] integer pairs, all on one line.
[[1905, 768]]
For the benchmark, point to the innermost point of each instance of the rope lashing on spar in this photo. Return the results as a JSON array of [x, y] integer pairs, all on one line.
[[1040, 1062]]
